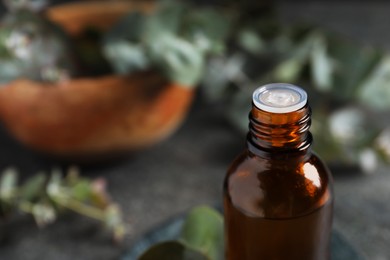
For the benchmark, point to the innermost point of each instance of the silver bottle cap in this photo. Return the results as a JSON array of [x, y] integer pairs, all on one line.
[[279, 98]]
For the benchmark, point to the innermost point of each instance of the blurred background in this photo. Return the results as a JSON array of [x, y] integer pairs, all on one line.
[[129, 113]]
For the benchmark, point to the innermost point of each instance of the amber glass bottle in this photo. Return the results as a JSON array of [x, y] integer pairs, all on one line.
[[278, 196]]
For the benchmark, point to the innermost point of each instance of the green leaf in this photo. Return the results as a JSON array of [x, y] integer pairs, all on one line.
[[129, 28], [325, 144], [8, 184], [126, 57], [4, 35], [251, 41], [207, 29], [165, 20], [123, 47], [352, 65], [215, 79], [321, 64], [203, 231], [178, 59], [34, 187], [289, 70], [159, 44], [172, 250], [238, 110], [53, 188], [375, 90], [81, 190], [10, 69]]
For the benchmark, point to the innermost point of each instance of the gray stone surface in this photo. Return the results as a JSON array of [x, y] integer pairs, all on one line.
[[151, 186], [183, 171]]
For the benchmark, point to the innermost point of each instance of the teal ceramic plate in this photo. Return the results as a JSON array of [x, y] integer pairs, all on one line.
[[341, 249]]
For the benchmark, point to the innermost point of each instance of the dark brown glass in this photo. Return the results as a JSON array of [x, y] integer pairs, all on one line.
[[278, 197]]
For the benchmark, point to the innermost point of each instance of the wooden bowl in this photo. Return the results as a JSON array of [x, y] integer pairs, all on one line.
[[75, 17], [93, 116]]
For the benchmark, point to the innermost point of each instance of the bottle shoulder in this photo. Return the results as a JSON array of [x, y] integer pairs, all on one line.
[[247, 161], [278, 188]]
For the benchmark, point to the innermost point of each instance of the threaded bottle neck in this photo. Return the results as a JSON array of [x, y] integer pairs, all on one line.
[[271, 132]]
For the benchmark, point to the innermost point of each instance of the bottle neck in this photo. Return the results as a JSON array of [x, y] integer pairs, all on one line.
[[279, 134]]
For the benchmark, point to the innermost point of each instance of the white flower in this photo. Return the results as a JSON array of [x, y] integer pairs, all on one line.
[[383, 142], [368, 160], [347, 125]]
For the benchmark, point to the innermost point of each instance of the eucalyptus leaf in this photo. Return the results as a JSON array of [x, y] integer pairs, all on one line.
[[172, 250], [81, 190], [4, 35], [208, 36], [166, 19], [375, 90], [54, 185], [321, 64], [174, 38], [215, 80], [36, 45], [251, 41], [203, 231], [10, 69], [238, 110], [224, 75], [123, 44], [178, 59], [33, 5], [126, 57], [44, 199], [129, 28], [8, 183], [352, 66], [34, 187], [325, 143], [289, 70]]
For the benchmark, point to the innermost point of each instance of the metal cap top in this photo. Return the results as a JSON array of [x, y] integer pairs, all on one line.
[[279, 98]]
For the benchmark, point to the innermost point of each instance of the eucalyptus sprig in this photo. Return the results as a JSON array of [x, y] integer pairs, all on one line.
[[201, 238], [31, 46], [347, 84], [175, 39], [46, 196]]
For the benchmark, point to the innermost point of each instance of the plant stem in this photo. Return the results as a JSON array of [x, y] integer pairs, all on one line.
[[81, 208]]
